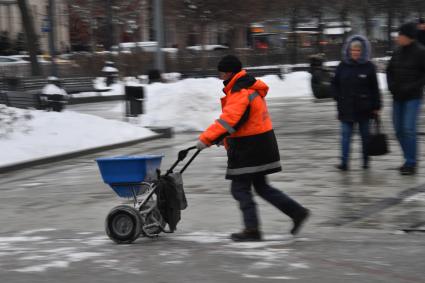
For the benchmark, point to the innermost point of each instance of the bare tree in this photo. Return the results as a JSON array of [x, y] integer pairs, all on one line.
[[31, 36]]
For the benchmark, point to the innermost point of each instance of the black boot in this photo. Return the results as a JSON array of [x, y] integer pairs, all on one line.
[[299, 221], [247, 235], [342, 167], [408, 170], [402, 167]]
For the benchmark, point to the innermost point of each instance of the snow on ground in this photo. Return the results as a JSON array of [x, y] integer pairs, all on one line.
[[54, 133]]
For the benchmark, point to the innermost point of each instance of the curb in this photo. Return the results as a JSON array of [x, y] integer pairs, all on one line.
[[161, 133]]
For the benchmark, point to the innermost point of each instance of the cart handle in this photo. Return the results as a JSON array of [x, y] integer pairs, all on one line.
[[190, 161], [180, 157]]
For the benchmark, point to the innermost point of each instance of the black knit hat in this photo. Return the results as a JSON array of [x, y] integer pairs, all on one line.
[[408, 29], [229, 64]]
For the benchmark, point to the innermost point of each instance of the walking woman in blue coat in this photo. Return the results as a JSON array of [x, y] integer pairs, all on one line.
[[356, 92]]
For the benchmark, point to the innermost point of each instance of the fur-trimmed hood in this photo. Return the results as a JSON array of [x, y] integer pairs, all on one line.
[[366, 50]]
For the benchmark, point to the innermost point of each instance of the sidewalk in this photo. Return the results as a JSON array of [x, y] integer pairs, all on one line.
[[55, 214]]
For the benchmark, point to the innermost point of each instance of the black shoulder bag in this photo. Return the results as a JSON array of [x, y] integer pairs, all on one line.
[[377, 142]]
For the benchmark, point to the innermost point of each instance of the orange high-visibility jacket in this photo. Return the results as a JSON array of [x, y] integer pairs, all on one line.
[[247, 128]]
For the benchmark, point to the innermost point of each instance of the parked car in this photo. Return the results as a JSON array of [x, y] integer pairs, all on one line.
[[208, 47], [10, 60], [26, 58]]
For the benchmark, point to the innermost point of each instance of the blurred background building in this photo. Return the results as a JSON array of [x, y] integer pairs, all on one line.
[[197, 32], [11, 28]]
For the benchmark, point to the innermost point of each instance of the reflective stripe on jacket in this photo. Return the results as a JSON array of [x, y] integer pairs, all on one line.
[[245, 122]]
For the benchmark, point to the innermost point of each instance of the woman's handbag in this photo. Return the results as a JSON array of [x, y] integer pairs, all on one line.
[[377, 142]]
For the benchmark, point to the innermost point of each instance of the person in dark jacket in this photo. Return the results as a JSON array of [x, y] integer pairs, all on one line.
[[421, 31], [245, 128], [356, 91], [406, 80]]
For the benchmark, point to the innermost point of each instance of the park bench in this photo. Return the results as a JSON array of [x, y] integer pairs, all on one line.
[[79, 84], [22, 93], [26, 92]]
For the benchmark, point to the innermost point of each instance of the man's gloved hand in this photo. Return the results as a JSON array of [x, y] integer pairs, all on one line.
[[221, 143], [200, 145]]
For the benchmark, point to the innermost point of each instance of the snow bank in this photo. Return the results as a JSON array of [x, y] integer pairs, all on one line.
[[192, 104], [55, 133]]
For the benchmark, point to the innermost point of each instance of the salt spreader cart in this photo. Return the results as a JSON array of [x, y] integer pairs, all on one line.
[[136, 177]]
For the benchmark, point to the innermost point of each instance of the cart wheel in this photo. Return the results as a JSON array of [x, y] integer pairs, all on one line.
[[154, 217], [123, 224]]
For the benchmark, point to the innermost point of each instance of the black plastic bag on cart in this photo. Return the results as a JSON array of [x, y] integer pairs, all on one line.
[[171, 198]]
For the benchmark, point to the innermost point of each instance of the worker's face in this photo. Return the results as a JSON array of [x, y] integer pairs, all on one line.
[[403, 40], [421, 26], [355, 53], [225, 75]]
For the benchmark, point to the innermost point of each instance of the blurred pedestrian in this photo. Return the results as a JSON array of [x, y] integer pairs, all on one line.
[[406, 80], [421, 31], [356, 91], [245, 128]]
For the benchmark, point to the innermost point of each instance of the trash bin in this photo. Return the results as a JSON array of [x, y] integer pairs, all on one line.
[[134, 96], [154, 76], [320, 77]]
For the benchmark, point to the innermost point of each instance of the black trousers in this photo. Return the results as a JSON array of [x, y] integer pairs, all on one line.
[[241, 191]]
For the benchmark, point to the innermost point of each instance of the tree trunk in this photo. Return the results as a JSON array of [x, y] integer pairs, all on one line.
[[366, 16], [319, 31], [28, 23], [343, 18], [390, 19], [294, 44]]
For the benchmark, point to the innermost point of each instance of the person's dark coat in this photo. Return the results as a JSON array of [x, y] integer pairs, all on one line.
[[355, 85], [406, 72]]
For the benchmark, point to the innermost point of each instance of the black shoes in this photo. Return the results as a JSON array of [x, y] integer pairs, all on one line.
[[254, 235], [407, 170], [247, 235], [299, 221], [342, 167]]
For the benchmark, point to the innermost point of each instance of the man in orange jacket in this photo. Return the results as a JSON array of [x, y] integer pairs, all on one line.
[[245, 129]]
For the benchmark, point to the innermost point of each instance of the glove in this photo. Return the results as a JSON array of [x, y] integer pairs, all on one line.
[[221, 143], [200, 145]]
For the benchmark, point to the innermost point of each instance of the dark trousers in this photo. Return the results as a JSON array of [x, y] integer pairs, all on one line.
[[241, 191]]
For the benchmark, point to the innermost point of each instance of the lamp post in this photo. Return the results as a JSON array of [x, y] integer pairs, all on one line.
[[159, 35], [52, 50]]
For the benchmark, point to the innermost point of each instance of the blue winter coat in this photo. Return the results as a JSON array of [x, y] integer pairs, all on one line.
[[355, 85]]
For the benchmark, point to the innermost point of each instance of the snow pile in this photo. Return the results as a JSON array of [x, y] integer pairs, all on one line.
[[193, 104], [187, 105], [55, 133], [296, 84], [12, 121]]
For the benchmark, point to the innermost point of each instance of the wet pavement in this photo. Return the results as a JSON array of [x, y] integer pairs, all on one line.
[[52, 216]]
